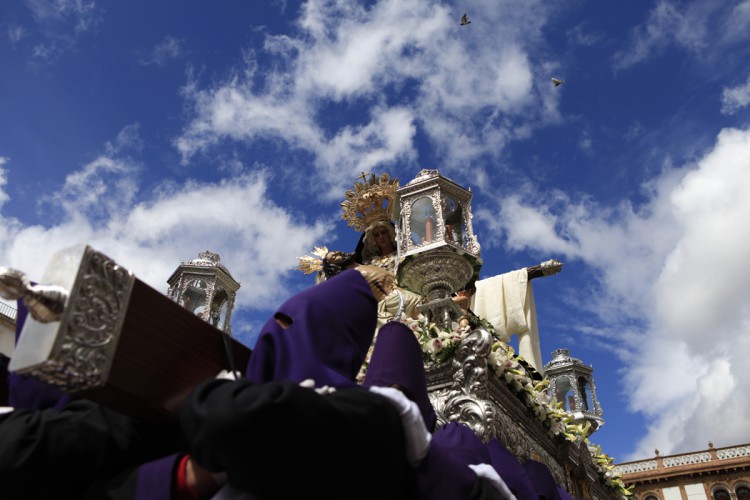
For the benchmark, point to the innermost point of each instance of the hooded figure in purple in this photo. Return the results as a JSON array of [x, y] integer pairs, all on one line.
[[322, 333], [448, 470], [329, 442], [396, 361]]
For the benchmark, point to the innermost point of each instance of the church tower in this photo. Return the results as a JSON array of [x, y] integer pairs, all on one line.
[[205, 287], [572, 384]]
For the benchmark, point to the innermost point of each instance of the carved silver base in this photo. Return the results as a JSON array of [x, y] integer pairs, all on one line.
[[438, 272], [76, 353]]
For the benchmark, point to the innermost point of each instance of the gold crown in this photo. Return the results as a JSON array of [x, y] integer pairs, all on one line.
[[370, 201]]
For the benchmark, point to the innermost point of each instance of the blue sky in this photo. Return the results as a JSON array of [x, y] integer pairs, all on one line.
[[156, 130]]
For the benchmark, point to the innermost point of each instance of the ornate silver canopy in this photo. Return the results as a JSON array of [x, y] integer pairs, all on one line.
[[205, 287], [572, 384], [438, 252]]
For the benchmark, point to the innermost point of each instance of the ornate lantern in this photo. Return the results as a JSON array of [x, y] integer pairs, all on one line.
[[572, 384], [205, 287], [438, 253]]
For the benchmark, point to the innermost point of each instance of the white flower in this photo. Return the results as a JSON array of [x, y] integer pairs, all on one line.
[[433, 346], [556, 427]]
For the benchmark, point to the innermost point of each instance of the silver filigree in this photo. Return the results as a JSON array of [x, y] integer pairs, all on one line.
[[89, 327], [468, 400]]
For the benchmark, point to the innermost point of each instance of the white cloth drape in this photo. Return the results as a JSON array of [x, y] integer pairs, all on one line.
[[507, 302]]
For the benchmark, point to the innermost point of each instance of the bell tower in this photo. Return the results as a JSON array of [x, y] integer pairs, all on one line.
[[572, 384], [205, 287]]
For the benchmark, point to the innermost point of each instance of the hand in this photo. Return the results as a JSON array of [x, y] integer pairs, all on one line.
[[489, 472], [227, 375], [380, 280], [417, 436]]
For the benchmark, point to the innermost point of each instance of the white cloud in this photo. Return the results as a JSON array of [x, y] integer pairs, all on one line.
[[151, 233], [101, 190], [16, 33], [61, 23], [78, 14], [737, 22], [450, 80], [582, 36], [707, 269], [667, 24], [585, 143], [735, 98], [3, 181], [168, 49], [678, 266]]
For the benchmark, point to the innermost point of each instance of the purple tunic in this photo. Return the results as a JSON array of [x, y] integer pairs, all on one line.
[[397, 361], [444, 474], [510, 470], [542, 479]]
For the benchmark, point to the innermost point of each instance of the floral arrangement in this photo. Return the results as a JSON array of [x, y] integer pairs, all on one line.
[[440, 345]]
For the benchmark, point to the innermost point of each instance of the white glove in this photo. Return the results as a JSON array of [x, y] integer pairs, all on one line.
[[310, 384], [417, 436], [489, 472], [226, 374]]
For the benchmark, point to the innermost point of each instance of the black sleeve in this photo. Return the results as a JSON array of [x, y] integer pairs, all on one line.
[[59, 454], [319, 445]]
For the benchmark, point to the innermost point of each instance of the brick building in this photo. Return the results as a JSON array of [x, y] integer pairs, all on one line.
[[715, 473]]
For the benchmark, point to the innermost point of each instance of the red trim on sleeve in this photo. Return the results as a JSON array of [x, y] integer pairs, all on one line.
[[182, 489]]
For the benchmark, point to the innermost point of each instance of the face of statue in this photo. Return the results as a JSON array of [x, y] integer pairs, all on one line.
[[383, 240]]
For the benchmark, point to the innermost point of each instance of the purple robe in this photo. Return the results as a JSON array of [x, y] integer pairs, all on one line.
[[511, 471], [542, 479], [329, 445], [564, 495], [444, 474], [397, 361]]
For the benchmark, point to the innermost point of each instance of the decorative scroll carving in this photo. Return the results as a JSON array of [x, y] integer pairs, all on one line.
[[468, 400], [90, 326]]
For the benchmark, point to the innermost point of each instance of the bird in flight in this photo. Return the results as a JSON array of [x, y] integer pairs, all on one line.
[[465, 20], [557, 82]]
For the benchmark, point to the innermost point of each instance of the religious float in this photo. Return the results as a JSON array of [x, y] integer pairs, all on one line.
[[93, 329], [423, 232]]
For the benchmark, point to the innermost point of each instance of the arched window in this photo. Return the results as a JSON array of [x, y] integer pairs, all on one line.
[[721, 494], [585, 392], [742, 492], [651, 497]]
